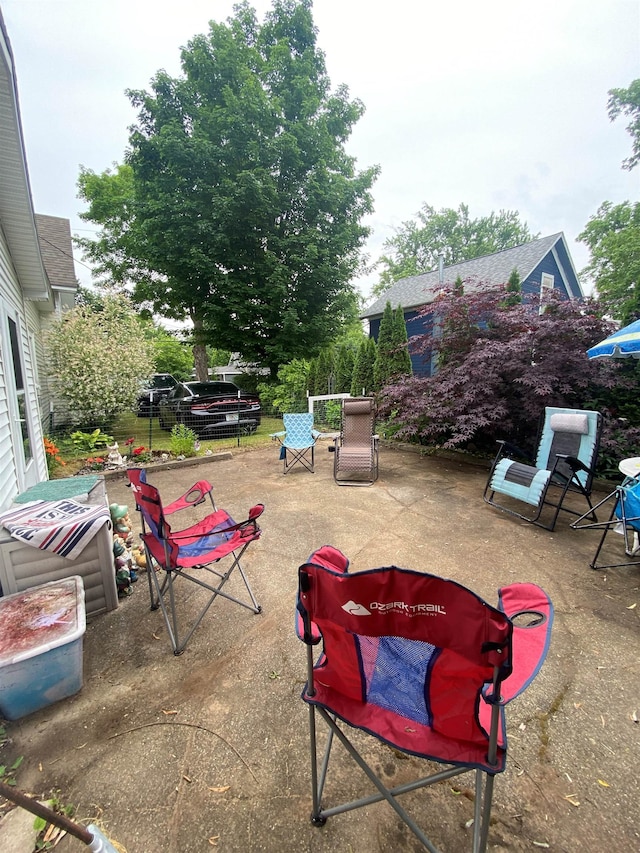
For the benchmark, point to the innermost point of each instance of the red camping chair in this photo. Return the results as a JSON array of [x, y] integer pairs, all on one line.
[[198, 547], [422, 664]]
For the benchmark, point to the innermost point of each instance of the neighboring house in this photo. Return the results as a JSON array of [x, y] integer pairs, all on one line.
[[236, 367], [25, 296], [56, 248], [543, 264]]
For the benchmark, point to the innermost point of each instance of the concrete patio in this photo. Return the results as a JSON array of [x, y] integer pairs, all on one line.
[[209, 750]]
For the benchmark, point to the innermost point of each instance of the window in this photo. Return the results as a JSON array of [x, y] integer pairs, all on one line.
[[546, 283], [546, 287], [20, 388]]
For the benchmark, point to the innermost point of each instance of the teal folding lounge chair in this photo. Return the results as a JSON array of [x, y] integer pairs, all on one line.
[[565, 461], [297, 441]]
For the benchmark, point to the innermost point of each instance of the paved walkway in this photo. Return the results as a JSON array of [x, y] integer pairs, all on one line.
[[209, 750]]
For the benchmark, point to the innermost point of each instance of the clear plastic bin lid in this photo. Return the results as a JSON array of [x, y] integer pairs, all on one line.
[[39, 619]]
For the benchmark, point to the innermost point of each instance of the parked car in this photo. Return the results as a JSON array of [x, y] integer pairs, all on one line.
[[161, 384], [210, 409]]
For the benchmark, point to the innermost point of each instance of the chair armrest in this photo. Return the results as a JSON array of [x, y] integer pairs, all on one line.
[[277, 434], [505, 448], [574, 463], [514, 450], [531, 611]]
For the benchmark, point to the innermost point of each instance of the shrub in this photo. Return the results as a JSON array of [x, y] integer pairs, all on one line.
[[183, 441], [89, 442], [97, 359], [499, 365]]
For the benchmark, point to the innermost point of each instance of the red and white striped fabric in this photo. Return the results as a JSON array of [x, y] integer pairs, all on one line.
[[65, 527]]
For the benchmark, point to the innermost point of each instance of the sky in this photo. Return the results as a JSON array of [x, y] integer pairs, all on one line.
[[497, 105]]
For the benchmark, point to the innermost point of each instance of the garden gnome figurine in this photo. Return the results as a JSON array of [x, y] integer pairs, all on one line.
[[114, 457]]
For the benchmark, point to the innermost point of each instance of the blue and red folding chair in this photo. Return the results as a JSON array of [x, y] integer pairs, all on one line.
[[422, 664], [624, 519], [192, 554], [297, 441]]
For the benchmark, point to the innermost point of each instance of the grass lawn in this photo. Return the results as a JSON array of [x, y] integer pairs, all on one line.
[[147, 433]]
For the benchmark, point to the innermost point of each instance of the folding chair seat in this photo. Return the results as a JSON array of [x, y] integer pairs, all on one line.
[[197, 548], [355, 461], [297, 440], [624, 518], [420, 663], [566, 460]]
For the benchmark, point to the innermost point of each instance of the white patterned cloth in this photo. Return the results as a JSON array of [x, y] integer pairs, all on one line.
[[65, 527]]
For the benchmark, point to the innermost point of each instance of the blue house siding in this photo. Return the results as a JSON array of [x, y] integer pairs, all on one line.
[[532, 260], [549, 265], [423, 363]]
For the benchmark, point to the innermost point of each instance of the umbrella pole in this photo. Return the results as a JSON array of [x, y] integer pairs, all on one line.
[[95, 840]]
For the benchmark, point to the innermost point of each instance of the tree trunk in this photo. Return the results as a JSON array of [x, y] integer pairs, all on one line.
[[200, 358]]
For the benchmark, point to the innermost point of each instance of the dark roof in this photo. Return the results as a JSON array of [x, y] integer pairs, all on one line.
[[418, 290], [54, 234]]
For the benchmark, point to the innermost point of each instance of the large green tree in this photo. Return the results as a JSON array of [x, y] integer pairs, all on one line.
[[245, 210], [362, 381], [613, 234], [416, 246], [627, 102], [613, 238]]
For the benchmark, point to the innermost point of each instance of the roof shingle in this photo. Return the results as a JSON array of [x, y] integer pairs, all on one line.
[[54, 235], [417, 290]]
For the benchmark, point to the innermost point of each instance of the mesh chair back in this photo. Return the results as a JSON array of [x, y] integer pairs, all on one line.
[[298, 430], [358, 421], [149, 504], [571, 432], [356, 445], [407, 656]]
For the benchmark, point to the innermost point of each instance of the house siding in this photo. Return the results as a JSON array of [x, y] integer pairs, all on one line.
[[10, 298], [31, 333], [26, 313], [548, 255], [549, 264], [423, 363]]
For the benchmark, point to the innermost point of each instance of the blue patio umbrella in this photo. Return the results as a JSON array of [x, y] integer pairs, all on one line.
[[625, 343]]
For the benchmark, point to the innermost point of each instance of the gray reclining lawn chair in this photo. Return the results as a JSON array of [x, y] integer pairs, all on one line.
[[356, 448], [566, 459]]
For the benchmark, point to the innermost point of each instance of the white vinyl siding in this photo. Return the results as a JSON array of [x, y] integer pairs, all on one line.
[[10, 297], [26, 316]]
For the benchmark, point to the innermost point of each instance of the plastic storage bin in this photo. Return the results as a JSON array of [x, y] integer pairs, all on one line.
[[41, 638]]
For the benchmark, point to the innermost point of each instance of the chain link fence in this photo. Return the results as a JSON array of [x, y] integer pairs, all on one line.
[[132, 438]]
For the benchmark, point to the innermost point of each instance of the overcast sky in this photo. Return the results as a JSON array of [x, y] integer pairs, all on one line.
[[498, 105]]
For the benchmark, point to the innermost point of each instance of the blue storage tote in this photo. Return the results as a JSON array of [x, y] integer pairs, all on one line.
[[41, 637]]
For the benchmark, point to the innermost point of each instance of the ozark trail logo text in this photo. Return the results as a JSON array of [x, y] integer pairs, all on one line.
[[394, 607]]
